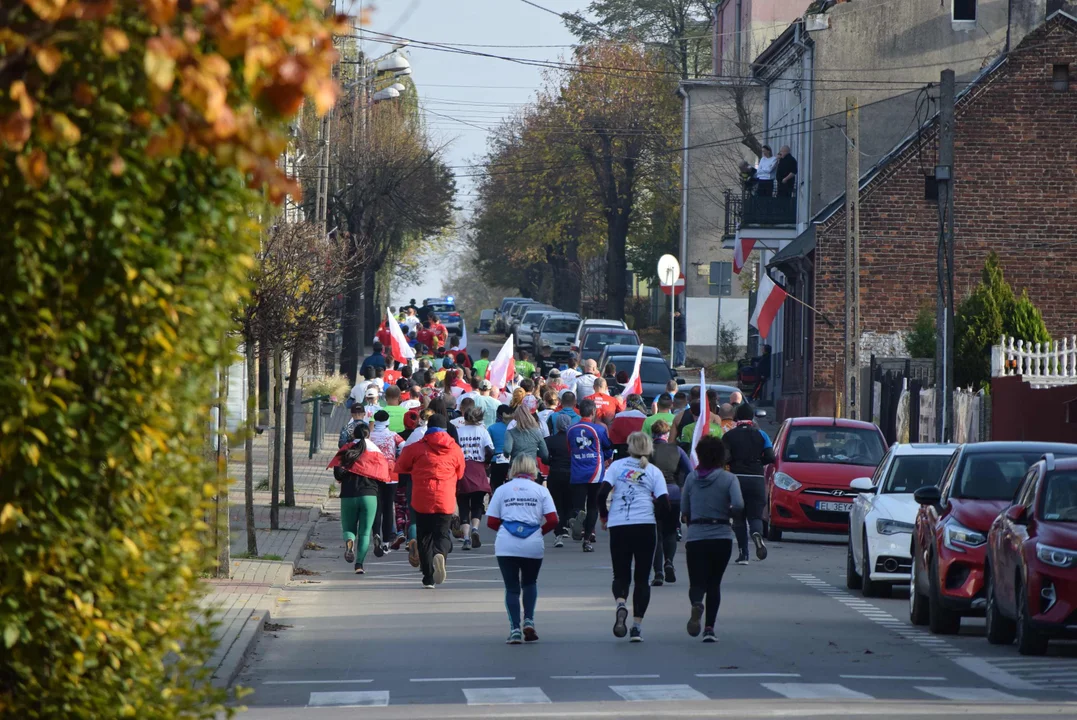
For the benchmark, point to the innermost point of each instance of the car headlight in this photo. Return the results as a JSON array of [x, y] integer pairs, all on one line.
[[1058, 557], [786, 482], [893, 527], [957, 537]]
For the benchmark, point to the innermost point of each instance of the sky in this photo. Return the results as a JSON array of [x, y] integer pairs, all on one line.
[[475, 92]]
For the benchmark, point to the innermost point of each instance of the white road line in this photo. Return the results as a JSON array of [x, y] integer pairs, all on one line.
[[973, 694], [505, 696], [604, 677], [651, 693], [464, 679], [815, 691], [315, 682], [996, 675], [745, 675], [923, 678], [363, 698]]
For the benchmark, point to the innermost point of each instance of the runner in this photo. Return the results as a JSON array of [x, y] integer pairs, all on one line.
[[524, 437], [590, 448], [626, 422], [388, 442], [559, 481], [360, 469], [524, 367], [569, 374], [749, 450], [606, 406], [347, 433], [585, 381], [488, 404], [482, 363], [671, 390], [675, 466], [568, 407], [637, 493], [394, 409], [521, 511], [471, 491], [711, 496], [664, 412], [499, 470]]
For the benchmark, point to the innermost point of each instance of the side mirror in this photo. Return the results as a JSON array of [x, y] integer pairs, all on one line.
[[760, 413], [1017, 514], [928, 496], [862, 484]]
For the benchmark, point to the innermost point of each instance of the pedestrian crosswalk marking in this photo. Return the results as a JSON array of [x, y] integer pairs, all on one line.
[[358, 698], [967, 693], [815, 691], [651, 693], [505, 696]]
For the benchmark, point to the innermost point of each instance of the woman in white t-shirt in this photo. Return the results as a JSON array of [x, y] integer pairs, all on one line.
[[471, 489], [521, 511], [637, 490]]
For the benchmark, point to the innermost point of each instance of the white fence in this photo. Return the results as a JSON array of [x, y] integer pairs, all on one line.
[[1040, 364]]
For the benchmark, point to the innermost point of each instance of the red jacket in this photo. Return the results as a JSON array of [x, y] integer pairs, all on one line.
[[436, 462], [624, 424]]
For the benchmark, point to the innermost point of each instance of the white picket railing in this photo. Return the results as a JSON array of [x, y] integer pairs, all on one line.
[[1052, 363]]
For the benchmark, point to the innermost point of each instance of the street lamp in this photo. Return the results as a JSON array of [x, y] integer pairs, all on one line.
[[389, 93]]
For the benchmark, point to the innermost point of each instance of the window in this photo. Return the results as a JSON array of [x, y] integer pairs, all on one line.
[[834, 446], [909, 473], [1060, 77], [965, 10], [721, 279]]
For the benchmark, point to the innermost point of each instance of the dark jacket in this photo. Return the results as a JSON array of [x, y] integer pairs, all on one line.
[[674, 464], [680, 329], [747, 448], [375, 360], [560, 461]]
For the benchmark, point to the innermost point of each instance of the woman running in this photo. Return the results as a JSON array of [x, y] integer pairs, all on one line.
[[711, 496], [361, 469], [637, 491], [521, 511], [524, 437], [471, 490]]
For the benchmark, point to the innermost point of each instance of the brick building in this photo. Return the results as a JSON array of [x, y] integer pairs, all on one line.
[[1015, 169]]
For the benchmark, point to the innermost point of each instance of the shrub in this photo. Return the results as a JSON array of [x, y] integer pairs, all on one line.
[[336, 387], [728, 342], [920, 341]]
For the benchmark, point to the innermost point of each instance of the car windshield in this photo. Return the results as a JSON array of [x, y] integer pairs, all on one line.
[[596, 340], [441, 307], [560, 325], [992, 476], [833, 445], [1060, 497], [909, 473], [532, 317], [651, 371]]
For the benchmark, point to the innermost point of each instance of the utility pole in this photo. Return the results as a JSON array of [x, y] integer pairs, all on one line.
[[852, 259], [944, 308]]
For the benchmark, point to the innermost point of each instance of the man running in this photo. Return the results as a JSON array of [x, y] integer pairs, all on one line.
[[585, 382], [482, 363], [590, 447], [606, 406]]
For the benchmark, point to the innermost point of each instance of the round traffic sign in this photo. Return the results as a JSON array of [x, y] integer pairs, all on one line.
[[668, 269], [676, 289]]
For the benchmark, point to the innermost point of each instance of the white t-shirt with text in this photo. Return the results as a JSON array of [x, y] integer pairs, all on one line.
[[634, 491], [474, 439], [520, 500]]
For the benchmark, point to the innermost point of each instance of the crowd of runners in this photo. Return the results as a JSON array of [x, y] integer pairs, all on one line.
[[439, 439]]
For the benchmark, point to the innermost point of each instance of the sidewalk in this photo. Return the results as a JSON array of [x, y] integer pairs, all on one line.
[[244, 602]]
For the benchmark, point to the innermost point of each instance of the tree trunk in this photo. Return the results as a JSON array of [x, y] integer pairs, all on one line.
[[616, 263], [264, 379], [351, 330], [248, 445], [278, 426], [289, 429], [370, 312]]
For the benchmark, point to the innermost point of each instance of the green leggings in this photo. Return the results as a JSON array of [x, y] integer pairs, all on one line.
[[356, 519]]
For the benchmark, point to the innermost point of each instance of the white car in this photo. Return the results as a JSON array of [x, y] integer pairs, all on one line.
[[883, 516]]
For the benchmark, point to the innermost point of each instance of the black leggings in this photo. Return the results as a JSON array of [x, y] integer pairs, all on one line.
[[753, 489], [586, 494], [628, 544], [385, 515], [559, 487], [471, 507], [707, 561], [667, 539], [499, 472]]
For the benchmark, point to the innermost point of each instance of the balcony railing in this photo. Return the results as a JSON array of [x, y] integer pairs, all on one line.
[[748, 209]]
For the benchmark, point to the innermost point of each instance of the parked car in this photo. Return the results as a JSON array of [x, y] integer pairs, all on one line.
[[445, 309], [593, 340], [524, 330], [724, 391], [611, 351], [816, 458], [553, 336], [883, 516], [596, 323], [502, 314], [950, 538], [519, 310], [486, 322], [654, 371], [1031, 568]]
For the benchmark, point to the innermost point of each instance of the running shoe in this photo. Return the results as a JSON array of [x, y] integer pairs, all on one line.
[[670, 573], [399, 541], [742, 558], [588, 547], [349, 551], [467, 544], [359, 570], [709, 636], [379, 549], [439, 569], [515, 637], [657, 582], [619, 627], [635, 635], [385, 549], [428, 584], [577, 525], [559, 541], [457, 530], [529, 632], [476, 541], [694, 620], [413, 553], [593, 539], [760, 548]]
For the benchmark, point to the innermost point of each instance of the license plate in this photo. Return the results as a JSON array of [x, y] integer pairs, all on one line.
[[833, 506]]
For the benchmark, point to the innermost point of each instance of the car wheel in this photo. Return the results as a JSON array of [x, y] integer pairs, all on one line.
[[941, 620], [1029, 640], [918, 610], [773, 534], [869, 587], [1000, 629], [852, 577]]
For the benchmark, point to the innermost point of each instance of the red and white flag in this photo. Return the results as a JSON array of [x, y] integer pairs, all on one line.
[[463, 336], [634, 386], [741, 250], [768, 301], [502, 369], [703, 422], [400, 349]]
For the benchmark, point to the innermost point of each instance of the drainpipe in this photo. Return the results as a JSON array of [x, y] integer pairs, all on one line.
[[683, 91]]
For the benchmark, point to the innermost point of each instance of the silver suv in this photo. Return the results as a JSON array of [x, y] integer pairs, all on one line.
[[553, 336]]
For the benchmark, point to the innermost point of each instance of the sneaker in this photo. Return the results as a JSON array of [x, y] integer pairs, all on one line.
[[694, 621], [359, 570], [476, 541], [428, 584], [588, 547], [559, 541], [635, 635], [349, 551], [576, 525], [709, 636], [760, 548], [379, 547], [657, 582], [592, 539], [413, 553], [619, 627], [529, 632], [742, 558], [467, 544], [385, 549], [457, 530], [439, 569], [398, 541], [670, 573], [515, 637]]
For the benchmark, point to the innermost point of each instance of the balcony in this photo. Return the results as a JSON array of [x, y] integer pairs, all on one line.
[[748, 210]]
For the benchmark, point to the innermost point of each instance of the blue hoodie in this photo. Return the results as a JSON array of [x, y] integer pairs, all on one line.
[[590, 447]]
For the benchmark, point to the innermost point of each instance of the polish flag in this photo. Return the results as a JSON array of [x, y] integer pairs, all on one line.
[[634, 386], [501, 371], [703, 422], [768, 301], [741, 250], [400, 350]]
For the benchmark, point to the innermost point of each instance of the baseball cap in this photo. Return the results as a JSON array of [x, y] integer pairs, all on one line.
[[485, 385], [555, 373]]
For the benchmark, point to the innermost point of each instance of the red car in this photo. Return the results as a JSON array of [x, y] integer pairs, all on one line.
[[1032, 560], [815, 460], [950, 538]]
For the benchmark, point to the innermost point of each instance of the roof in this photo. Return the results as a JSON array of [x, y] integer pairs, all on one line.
[[1026, 446], [800, 248], [834, 422], [904, 449], [618, 349]]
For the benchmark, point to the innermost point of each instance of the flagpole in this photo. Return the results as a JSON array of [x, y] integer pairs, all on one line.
[[795, 299]]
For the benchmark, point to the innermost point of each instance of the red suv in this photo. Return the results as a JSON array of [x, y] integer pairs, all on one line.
[[950, 537], [815, 460], [1032, 560]]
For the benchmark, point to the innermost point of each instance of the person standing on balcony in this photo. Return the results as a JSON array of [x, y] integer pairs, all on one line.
[[764, 172], [747, 177], [786, 172]]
